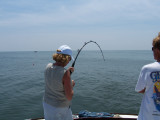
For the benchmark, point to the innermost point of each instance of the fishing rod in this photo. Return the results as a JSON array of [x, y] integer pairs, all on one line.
[[82, 48]]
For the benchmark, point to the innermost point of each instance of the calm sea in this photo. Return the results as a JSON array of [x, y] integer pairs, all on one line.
[[101, 86]]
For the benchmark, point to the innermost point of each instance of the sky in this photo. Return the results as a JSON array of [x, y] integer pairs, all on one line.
[[44, 25]]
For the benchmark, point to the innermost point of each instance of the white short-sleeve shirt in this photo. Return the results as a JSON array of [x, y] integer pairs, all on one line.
[[149, 79]]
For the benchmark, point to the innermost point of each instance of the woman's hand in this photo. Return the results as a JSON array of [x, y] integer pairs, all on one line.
[[73, 83], [71, 69]]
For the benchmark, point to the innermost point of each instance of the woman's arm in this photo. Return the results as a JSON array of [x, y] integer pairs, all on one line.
[[68, 85]]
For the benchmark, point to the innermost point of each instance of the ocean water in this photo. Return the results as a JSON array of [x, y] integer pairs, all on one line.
[[101, 86]]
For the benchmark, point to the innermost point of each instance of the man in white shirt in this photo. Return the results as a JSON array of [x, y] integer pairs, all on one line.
[[149, 84]]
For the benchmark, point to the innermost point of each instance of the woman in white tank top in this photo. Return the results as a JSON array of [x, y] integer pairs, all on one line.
[[59, 86]]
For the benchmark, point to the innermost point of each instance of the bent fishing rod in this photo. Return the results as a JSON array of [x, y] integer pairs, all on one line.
[[81, 50]]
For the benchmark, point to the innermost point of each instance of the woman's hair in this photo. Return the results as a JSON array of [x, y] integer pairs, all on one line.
[[156, 41], [62, 58]]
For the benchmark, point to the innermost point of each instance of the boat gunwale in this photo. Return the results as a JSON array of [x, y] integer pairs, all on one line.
[[98, 118]]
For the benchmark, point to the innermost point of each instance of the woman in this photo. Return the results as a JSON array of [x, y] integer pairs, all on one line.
[[58, 86], [149, 84]]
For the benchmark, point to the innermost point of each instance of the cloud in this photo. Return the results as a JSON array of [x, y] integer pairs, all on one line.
[[81, 13], [87, 19]]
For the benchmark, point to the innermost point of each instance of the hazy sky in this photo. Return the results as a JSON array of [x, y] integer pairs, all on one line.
[[44, 25]]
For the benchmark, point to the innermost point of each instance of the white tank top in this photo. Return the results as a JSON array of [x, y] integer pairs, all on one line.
[[54, 90]]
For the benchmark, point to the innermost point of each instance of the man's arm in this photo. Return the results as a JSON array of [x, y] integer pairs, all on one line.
[[142, 91]]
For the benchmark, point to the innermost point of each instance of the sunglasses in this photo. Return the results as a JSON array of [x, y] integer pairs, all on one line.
[[153, 48]]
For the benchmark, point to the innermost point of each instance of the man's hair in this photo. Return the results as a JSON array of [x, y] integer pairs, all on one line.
[[156, 42]]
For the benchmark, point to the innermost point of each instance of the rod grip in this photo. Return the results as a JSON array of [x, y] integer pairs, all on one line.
[[70, 72]]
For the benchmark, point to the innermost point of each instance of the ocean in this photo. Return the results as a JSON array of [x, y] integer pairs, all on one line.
[[101, 86]]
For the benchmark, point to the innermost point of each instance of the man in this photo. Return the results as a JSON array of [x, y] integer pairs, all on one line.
[[149, 84]]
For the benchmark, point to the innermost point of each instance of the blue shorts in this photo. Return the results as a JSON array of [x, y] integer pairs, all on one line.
[[55, 113]]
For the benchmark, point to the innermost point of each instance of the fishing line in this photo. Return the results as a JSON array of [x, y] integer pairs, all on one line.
[[82, 48]]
